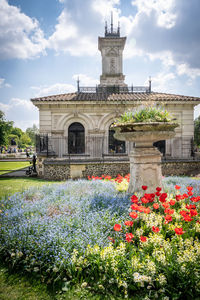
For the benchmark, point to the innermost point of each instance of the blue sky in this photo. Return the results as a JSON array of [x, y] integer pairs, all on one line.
[[46, 44]]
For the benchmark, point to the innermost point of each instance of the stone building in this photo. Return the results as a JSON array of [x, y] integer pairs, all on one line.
[[75, 135]]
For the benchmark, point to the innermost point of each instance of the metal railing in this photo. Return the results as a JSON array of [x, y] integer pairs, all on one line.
[[98, 147], [114, 89]]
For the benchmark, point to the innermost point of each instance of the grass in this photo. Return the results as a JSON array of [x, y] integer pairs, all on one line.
[[9, 166], [10, 186], [15, 286]]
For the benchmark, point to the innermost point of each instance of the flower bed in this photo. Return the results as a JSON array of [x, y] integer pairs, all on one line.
[[86, 231]]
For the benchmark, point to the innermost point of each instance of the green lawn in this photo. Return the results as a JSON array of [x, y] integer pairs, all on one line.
[[10, 186], [15, 286], [9, 166]]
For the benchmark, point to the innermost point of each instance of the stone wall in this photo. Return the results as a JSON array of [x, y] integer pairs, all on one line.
[[176, 168], [112, 169], [56, 170], [64, 169]]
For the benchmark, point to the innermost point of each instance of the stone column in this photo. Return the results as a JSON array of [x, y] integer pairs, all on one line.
[[145, 160], [145, 169]]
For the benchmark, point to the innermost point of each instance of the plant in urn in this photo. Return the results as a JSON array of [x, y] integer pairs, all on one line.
[[144, 126]]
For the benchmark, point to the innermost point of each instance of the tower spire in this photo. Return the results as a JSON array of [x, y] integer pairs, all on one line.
[[111, 23], [118, 28], [111, 32], [106, 28]]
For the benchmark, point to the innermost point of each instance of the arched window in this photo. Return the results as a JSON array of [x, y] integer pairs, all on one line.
[[76, 138], [115, 146]]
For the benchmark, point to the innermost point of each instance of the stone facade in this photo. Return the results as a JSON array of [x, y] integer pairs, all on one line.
[[96, 117], [96, 111]]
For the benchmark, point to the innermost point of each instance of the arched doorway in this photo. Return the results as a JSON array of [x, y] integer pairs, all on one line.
[[115, 146], [76, 138]]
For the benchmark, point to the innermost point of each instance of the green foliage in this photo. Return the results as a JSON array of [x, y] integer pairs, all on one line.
[[17, 131], [9, 133], [31, 132], [24, 141], [146, 114], [5, 129], [197, 131], [12, 137]]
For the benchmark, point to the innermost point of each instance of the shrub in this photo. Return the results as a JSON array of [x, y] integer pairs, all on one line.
[[146, 114]]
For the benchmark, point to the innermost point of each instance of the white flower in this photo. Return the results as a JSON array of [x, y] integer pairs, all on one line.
[[83, 285]]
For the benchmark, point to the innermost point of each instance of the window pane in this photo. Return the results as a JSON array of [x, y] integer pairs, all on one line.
[[115, 146], [76, 138]]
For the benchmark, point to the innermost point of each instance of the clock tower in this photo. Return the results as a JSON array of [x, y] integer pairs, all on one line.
[[111, 47]]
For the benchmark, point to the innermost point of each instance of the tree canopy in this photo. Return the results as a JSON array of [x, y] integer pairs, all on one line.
[[5, 129], [10, 135]]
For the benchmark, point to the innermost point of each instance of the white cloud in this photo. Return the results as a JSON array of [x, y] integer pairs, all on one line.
[[105, 7], [20, 35], [76, 35], [57, 88], [67, 38], [164, 30], [17, 103], [85, 80], [3, 84], [184, 69], [163, 82], [24, 124], [163, 9], [4, 107]]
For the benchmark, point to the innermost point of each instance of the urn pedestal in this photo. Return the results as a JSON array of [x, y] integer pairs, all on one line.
[[145, 159]]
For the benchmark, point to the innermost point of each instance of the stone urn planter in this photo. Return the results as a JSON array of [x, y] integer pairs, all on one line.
[[145, 159]]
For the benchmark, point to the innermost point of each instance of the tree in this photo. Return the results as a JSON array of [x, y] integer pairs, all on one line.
[[24, 141], [197, 131], [5, 129], [13, 139], [16, 131], [31, 132]]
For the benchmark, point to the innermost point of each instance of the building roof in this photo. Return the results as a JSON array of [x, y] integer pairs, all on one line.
[[142, 96]]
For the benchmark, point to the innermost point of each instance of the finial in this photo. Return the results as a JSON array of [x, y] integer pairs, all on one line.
[[106, 28], [149, 84], [78, 87], [118, 29], [111, 24]]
